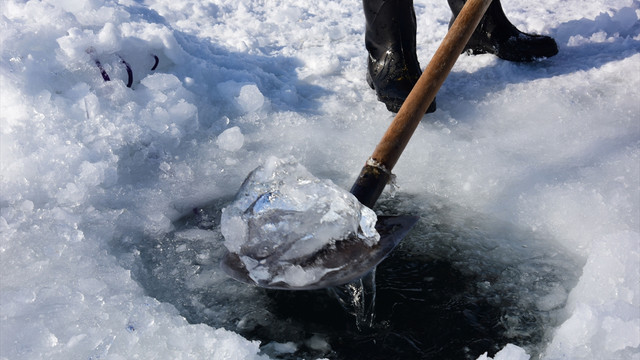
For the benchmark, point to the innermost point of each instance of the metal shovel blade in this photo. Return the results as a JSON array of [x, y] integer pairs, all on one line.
[[350, 259]]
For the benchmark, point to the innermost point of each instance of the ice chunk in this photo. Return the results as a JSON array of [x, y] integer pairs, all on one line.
[[316, 342], [283, 217], [275, 348], [509, 352], [161, 82], [250, 98], [231, 139], [246, 96]]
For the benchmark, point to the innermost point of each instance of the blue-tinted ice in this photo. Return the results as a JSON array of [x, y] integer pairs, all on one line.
[[284, 222]]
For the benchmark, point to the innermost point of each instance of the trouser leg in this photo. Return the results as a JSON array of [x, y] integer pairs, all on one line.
[[390, 39]]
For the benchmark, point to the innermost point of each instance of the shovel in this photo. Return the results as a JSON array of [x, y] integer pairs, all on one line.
[[354, 259]]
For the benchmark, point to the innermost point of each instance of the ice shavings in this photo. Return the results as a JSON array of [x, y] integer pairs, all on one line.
[[283, 217]]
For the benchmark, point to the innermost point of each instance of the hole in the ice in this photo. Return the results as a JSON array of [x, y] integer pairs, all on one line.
[[459, 285]]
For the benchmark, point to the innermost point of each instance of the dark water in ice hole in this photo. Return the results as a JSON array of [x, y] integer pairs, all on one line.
[[460, 284]]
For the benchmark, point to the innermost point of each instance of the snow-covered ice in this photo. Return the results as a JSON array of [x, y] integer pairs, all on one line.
[[96, 177], [510, 352], [231, 139], [283, 216], [246, 96]]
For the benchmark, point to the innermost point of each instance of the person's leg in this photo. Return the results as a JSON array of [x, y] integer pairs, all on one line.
[[390, 39], [496, 35]]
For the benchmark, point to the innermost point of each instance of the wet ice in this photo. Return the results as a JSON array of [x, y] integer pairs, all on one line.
[[283, 217], [88, 165]]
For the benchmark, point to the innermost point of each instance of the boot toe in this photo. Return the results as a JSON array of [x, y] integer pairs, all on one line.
[[526, 48], [392, 78], [518, 48], [393, 102]]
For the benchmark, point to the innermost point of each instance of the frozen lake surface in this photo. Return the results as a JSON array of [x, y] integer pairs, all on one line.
[[526, 180]]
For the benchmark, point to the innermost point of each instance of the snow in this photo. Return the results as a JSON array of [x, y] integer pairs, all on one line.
[[231, 139], [95, 174], [247, 97], [510, 352]]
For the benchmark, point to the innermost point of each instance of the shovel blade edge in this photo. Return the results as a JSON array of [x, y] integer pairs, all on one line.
[[351, 259]]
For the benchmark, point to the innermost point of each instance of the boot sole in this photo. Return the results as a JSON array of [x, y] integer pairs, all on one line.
[[394, 104]]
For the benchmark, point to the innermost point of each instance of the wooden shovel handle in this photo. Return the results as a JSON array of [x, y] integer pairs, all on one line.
[[397, 136], [414, 107]]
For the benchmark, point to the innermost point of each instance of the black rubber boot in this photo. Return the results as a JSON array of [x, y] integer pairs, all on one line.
[[390, 38], [497, 35]]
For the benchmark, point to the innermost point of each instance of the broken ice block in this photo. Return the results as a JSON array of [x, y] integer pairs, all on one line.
[[283, 219]]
